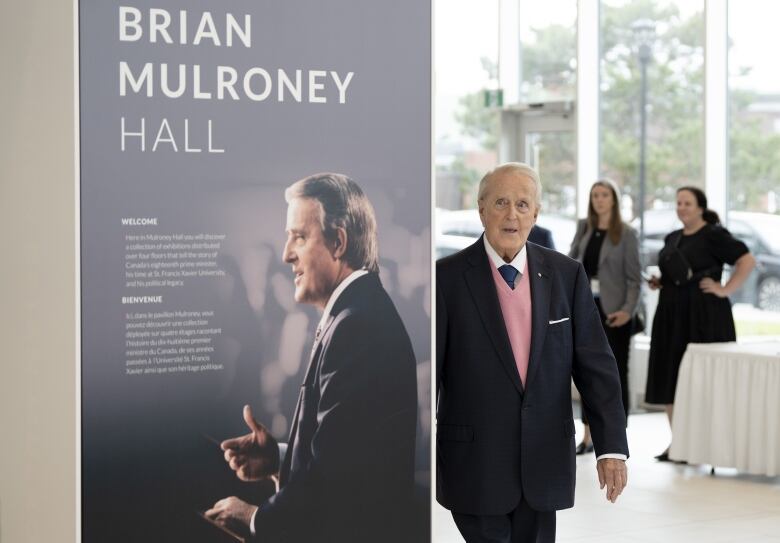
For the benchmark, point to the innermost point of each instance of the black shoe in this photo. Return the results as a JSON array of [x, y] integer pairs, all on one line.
[[663, 457], [582, 448]]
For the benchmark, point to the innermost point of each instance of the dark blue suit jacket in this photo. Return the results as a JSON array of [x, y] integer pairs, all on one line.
[[349, 468], [541, 236], [498, 441]]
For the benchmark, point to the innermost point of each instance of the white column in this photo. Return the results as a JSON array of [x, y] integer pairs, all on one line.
[[587, 105], [716, 159], [509, 50]]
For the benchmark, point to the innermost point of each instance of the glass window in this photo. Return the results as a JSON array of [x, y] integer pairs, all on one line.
[[466, 129], [754, 160], [668, 38], [548, 50], [548, 53], [468, 119]]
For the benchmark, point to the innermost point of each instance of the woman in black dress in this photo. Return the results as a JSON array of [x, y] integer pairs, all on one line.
[[693, 306]]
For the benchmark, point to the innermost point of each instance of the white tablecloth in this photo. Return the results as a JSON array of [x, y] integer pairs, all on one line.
[[727, 407]]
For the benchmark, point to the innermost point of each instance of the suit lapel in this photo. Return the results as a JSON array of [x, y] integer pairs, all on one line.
[[479, 279], [586, 233], [541, 283], [606, 248], [316, 349]]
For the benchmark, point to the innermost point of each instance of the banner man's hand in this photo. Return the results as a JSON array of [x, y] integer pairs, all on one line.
[[254, 456], [233, 514]]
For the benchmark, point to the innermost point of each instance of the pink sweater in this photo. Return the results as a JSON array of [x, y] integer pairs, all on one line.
[[516, 308]]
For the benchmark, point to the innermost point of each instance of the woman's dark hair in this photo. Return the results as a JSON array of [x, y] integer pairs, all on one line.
[[701, 199]]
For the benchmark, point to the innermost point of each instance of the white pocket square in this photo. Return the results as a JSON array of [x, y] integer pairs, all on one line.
[[559, 320]]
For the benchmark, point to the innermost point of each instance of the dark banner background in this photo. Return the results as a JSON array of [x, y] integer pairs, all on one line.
[[148, 464]]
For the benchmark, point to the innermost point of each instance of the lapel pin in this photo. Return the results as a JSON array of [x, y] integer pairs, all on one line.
[[539, 274]]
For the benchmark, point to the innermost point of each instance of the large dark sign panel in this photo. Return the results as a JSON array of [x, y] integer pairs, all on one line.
[[202, 289]]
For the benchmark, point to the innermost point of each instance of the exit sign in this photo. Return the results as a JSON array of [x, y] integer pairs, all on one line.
[[494, 98]]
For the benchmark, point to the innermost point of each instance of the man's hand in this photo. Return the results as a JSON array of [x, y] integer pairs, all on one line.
[[613, 475], [254, 456], [233, 514]]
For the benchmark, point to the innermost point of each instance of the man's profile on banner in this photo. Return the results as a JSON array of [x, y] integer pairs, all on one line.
[[346, 473]]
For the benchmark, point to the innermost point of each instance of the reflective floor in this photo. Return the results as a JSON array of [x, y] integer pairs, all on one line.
[[664, 502]]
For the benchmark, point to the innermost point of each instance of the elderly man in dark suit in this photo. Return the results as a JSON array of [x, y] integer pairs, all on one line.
[[514, 323], [347, 475]]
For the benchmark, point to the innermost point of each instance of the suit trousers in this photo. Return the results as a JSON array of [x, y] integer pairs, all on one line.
[[523, 525], [620, 342]]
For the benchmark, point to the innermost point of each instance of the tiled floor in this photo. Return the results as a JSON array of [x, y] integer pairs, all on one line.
[[664, 503]]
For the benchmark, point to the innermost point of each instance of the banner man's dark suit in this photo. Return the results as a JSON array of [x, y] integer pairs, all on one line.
[[497, 440], [349, 465]]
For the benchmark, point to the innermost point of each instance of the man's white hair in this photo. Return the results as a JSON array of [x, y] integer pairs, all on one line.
[[517, 168]]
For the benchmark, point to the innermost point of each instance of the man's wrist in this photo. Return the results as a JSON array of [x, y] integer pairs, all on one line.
[[616, 456]]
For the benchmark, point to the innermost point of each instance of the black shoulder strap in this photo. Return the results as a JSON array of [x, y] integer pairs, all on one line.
[[677, 237]]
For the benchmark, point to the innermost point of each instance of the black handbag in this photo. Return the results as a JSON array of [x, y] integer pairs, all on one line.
[[638, 322], [677, 268]]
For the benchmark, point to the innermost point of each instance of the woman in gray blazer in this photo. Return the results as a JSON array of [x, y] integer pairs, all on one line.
[[609, 250]]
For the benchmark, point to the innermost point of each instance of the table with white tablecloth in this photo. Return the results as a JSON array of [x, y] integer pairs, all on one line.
[[727, 407]]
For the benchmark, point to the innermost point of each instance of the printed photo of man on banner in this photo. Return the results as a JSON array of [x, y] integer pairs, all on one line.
[[355, 420], [255, 335]]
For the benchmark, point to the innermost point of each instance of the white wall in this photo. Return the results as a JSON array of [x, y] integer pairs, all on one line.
[[37, 273]]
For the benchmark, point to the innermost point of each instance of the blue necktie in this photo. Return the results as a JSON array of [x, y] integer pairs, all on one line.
[[509, 273]]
